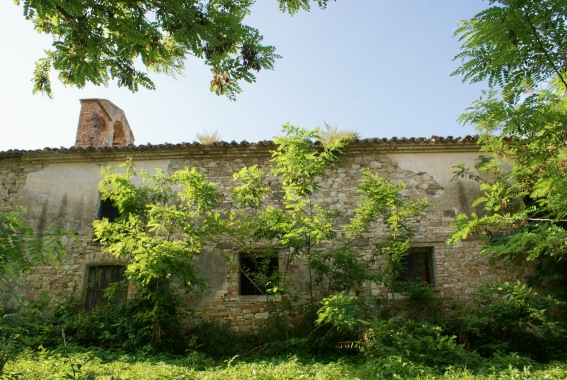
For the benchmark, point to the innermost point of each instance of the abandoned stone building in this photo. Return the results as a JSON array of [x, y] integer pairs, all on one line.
[[58, 187]]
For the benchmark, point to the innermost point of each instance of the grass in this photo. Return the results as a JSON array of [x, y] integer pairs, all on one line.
[[99, 364], [208, 138], [330, 135]]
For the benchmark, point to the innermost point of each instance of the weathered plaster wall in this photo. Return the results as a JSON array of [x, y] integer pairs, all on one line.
[[60, 190]]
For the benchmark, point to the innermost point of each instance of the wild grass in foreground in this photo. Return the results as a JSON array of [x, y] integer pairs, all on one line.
[[97, 364]]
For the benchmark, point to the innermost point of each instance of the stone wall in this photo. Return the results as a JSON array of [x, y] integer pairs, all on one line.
[[59, 188]]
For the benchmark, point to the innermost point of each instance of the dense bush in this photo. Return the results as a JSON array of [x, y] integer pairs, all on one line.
[[506, 317], [402, 336], [416, 341], [501, 318], [275, 339], [129, 326], [219, 341], [132, 325]]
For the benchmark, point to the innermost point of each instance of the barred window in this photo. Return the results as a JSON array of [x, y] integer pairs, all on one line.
[[99, 278], [418, 266]]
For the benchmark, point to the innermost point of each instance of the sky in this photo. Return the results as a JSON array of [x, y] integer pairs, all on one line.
[[378, 67]]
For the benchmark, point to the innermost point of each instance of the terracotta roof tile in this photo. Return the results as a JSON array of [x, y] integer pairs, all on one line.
[[264, 143]]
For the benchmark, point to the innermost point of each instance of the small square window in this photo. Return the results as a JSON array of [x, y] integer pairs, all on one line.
[[417, 266], [99, 279], [107, 209], [256, 271]]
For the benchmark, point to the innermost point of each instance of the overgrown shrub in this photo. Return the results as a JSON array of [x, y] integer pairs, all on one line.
[[130, 326], [402, 337], [345, 312], [416, 341], [505, 317], [219, 341], [27, 324], [133, 325]]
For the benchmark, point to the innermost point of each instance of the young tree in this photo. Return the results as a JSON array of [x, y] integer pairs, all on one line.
[[97, 41], [304, 224], [297, 223], [519, 47], [384, 203], [160, 230]]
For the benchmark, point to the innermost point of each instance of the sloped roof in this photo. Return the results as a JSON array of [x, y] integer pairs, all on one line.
[[388, 145]]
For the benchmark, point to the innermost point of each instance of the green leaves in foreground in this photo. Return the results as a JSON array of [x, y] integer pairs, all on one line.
[[100, 41], [21, 247], [518, 47], [162, 224]]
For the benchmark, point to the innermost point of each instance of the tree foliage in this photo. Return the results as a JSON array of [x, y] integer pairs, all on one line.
[[100, 40], [278, 213], [21, 248], [304, 223], [161, 228], [299, 223], [519, 48], [383, 202]]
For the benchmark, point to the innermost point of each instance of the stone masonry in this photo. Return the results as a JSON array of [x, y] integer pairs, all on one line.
[[59, 189]]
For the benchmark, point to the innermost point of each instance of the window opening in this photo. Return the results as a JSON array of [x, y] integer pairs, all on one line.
[[107, 209], [99, 279], [417, 266], [256, 271]]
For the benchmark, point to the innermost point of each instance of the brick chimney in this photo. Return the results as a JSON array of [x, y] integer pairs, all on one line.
[[102, 124]]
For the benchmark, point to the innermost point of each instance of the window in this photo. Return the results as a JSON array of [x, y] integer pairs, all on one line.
[[418, 266], [99, 279], [256, 271], [107, 209]]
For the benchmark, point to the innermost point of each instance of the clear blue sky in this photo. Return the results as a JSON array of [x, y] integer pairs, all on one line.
[[380, 67]]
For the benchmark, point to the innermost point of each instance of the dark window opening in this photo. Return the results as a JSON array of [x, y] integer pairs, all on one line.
[[107, 209], [256, 272], [417, 266], [99, 279]]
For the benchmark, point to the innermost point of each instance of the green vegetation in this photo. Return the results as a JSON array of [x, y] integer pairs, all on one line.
[[160, 231], [163, 220], [518, 47], [21, 248], [97, 41], [330, 135], [76, 363], [303, 223], [503, 331]]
